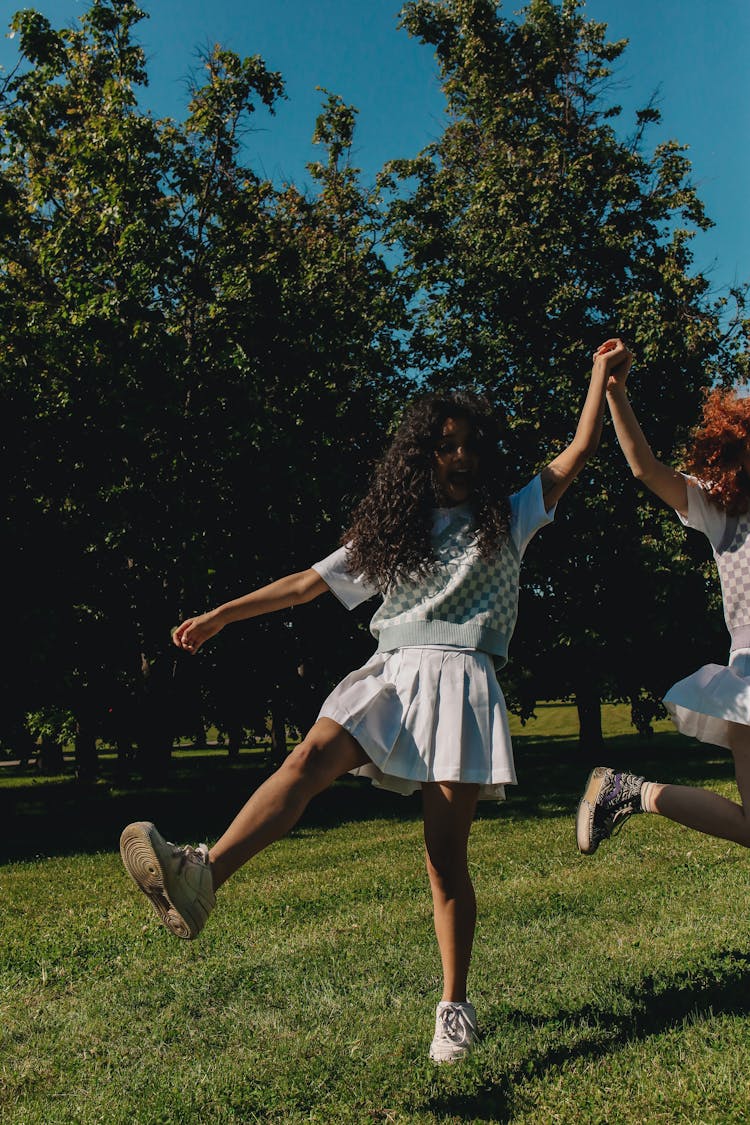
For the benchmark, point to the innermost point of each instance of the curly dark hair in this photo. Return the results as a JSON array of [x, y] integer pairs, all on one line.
[[390, 533], [718, 445]]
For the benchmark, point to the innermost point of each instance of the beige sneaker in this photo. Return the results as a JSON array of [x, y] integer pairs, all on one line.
[[455, 1031], [177, 880]]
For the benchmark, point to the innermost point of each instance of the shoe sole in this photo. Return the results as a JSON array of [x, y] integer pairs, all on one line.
[[449, 1058], [143, 866], [449, 1054], [584, 815]]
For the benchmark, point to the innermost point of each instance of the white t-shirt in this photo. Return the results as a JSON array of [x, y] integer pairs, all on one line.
[[527, 515], [729, 537], [702, 514]]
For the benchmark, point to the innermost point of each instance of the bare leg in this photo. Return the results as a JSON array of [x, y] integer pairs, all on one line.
[[706, 811], [448, 812], [326, 753]]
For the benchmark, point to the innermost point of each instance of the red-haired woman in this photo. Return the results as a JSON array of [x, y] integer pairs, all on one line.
[[712, 704]]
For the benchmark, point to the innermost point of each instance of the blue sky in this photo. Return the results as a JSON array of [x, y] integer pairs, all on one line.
[[693, 52]]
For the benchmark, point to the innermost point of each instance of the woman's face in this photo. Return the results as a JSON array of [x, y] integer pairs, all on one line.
[[456, 462]]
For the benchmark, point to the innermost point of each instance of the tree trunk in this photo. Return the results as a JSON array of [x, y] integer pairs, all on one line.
[[234, 740], [124, 756], [87, 761], [278, 736], [154, 750], [589, 706], [24, 744], [155, 734], [50, 759]]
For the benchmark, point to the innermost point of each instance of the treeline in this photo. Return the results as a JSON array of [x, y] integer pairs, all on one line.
[[199, 368]]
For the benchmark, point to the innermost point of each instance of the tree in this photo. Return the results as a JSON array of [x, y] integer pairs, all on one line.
[[183, 347], [83, 248], [530, 232], [293, 323]]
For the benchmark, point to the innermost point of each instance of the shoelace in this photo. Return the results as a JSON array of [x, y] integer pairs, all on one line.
[[614, 822], [454, 1025], [613, 817], [187, 854]]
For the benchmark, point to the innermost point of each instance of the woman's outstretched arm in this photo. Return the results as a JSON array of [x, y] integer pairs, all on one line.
[[294, 589], [561, 472], [662, 479]]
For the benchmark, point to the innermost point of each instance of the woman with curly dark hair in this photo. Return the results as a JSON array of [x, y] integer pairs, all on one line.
[[712, 704], [439, 539]]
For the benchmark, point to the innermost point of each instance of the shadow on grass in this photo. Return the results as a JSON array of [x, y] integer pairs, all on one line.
[[720, 985], [552, 775], [202, 794], [48, 817]]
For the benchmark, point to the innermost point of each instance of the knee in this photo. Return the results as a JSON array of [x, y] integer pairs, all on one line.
[[303, 763], [447, 870]]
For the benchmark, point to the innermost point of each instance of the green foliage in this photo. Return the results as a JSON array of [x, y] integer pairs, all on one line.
[[198, 367], [183, 347], [531, 232], [52, 723]]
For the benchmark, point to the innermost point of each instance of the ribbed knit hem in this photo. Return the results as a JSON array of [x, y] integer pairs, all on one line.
[[740, 637], [420, 633], [647, 799]]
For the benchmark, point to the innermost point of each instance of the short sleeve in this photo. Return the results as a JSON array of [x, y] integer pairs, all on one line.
[[350, 589], [702, 514], [528, 513]]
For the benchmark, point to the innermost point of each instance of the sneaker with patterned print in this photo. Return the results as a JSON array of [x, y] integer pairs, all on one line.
[[608, 800]]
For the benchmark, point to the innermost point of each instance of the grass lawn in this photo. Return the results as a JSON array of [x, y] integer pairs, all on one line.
[[613, 989]]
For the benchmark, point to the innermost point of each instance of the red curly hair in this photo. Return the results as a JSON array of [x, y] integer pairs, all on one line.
[[719, 444]]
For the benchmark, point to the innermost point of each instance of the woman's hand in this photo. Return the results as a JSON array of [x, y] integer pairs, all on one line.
[[191, 634], [294, 589], [616, 360]]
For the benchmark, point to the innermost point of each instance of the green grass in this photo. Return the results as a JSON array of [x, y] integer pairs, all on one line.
[[612, 989]]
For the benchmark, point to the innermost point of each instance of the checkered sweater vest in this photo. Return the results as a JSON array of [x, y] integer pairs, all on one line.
[[466, 600], [733, 562]]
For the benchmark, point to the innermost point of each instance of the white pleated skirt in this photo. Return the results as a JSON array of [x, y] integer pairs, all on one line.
[[427, 714], [705, 703]]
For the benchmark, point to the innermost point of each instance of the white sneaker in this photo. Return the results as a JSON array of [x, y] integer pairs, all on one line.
[[455, 1031], [177, 880]]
